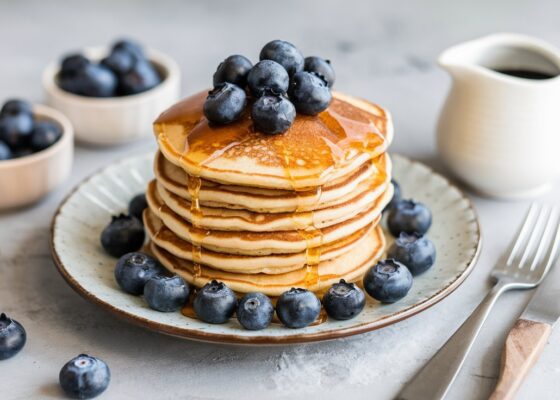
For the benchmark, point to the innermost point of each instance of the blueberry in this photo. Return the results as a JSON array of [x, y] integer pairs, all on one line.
[[396, 195], [233, 69], [320, 66], [273, 114], [15, 107], [134, 270], [124, 234], [268, 76], [215, 303], [15, 130], [225, 103], [344, 300], [129, 46], [388, 281], [298, 308], [309, 93], [12, 337], [137, 206], [255, 311], [417, 252], [45, 134], [94, 80], [5, 151], [119, 61], [166, 293], [285, 54], [410, 217], [84, 377], [72, 65], [142, 77]]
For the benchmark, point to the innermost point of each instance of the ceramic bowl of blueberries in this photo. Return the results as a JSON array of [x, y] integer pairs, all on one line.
[[36, 152], [112, 94]]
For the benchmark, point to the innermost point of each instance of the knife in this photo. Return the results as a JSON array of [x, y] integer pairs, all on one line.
[[528, 337]]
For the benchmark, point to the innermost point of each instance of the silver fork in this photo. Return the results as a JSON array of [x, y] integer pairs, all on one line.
[[531, 255]]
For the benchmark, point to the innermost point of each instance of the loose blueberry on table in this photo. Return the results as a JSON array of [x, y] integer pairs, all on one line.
[[275, 87], [124, 71], [298, 308], [344, 300], [166, 293], [84, 377], [215, 303], [21, 134], [137, 206], [409, 216], [134, 270], [388, 281], [255, 311], [123, 235], [415, 251], [12, 337]]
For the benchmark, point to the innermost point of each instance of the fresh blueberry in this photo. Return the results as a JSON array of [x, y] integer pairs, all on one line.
[[320, 66], [12, 337], [137, 206], [94, 80], [22, 152], [15, 107], [273, 114], [15, 130], [84, 377], [72, 65], [124, 234], [298, 308], [268, 76], [388, 281], [134, 270], [255, 311], [396, 195], [225, 103], [309, 93], [45, 134], [410, 217], [129, 46], [142, 77], [285, 54], [5, 151], [417, 252], [215, 303], [233, 69], [119, 61], [166, 293], [344, 300]]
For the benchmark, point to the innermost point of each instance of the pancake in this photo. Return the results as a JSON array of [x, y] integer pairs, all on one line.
[[236, 219], [270, 242], [312, 152], [268, 264], [349, 266], [212, 194]]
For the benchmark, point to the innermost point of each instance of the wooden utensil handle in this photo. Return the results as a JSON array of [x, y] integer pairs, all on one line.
[[524, 345]]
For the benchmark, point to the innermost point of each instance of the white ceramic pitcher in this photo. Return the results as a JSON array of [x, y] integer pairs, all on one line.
[[500, 133]]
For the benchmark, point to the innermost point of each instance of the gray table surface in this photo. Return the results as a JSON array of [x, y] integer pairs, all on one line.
[[381, 50]]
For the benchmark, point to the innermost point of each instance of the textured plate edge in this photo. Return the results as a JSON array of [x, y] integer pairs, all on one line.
[[195, 334]]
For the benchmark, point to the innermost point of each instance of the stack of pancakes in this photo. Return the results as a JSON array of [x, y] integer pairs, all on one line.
[[270, 212]]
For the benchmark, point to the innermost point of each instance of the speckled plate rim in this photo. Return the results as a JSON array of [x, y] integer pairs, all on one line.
[[209, 337]]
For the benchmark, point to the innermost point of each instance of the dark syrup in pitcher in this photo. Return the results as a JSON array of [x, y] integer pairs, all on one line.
[[525, 73]]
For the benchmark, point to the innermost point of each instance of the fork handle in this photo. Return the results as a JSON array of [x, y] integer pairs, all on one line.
[[434, 380], [524, 345]]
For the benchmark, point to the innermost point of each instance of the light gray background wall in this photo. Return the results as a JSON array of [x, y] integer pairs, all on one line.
[[382, 50]]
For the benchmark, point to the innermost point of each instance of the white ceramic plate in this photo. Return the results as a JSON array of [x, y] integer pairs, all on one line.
[[80, 259]]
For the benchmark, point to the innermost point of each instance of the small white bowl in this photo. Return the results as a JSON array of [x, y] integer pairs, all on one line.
[[27, 179], [114, 120]]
